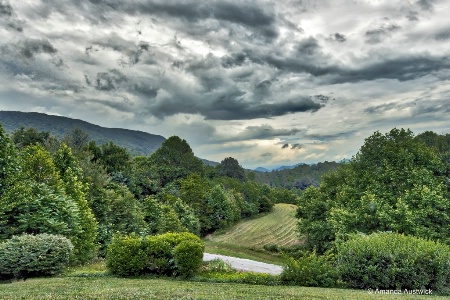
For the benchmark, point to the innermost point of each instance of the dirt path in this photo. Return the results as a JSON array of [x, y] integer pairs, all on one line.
[[246, 264]]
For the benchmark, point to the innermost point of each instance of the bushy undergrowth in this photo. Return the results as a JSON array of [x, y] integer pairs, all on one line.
[[167, 254], [34, 255], [394, 261], [310, 270]]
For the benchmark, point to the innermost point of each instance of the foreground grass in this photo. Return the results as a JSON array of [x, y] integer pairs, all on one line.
[[107, 287]]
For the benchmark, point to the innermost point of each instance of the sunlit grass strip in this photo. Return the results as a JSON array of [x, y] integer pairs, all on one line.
[[277, 227]]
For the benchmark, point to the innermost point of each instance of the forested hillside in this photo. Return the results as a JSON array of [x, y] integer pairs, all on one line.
[[299, 177], [137, 142]]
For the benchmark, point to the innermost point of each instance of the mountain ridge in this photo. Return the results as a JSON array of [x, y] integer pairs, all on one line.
[[137, 142]]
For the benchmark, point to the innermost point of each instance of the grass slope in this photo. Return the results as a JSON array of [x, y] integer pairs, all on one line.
[[277, 227]]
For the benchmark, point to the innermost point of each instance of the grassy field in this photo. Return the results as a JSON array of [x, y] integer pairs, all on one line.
[[106, 287], [277, 227]]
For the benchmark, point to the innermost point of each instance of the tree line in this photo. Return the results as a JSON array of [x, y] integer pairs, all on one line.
[[88, 192]]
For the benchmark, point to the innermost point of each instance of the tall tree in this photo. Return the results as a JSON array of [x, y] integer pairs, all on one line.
[[175, 160], [230, 167], [72, 177]]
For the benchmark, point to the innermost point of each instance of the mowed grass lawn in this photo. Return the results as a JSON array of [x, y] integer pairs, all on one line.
[[277, 227], [106, 287]]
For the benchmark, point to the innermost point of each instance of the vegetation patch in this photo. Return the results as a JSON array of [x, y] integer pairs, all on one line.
[[277, 228], [392, 261]]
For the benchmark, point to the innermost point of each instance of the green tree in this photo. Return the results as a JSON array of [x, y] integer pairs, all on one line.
[[24, 137], [393, 183], [77, 140], [36, 201], [220, 208], [71, 175], [175, 160], [230, 167], [8, 161]]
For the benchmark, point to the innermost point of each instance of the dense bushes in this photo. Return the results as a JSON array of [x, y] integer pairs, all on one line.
[[311, 270], [34, 255], [394, 261], [168, 254]]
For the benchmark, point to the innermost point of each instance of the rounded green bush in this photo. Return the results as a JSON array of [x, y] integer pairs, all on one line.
[[394, 261], [34, 255], [126, 256], [188, 257], [166, 254], [159, 255]]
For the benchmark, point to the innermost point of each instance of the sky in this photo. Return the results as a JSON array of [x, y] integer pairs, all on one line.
[[269, 83]]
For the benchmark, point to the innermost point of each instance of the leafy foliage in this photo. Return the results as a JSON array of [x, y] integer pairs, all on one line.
[[34, 255], [394, 261], [394, 183], [311, 270]]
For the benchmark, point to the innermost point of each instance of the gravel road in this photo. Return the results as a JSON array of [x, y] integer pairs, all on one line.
[[246, 264]]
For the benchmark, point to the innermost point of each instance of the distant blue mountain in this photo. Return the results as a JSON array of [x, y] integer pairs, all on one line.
[[262, 169]]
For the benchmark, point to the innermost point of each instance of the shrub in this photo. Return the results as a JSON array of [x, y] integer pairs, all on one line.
[[311, 270], [167, 254], [159, 255], [34, 255], [188, 257], [126, 256], [394, 261]]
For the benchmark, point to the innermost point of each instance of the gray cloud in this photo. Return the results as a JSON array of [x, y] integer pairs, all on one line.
[[338, 37], [108, 81], [28, 48], [189, 67], [9, 18], [377, 35], [264, 131], [226, 108]]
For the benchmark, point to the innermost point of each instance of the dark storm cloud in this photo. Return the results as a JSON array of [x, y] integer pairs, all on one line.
[[400, 68], [265, 132], [285, 146], [248, 15], [377, 35], [108, 81], [296, 146], [226, 108]]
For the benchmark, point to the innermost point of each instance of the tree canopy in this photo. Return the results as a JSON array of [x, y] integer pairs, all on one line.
[[394, 183]]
